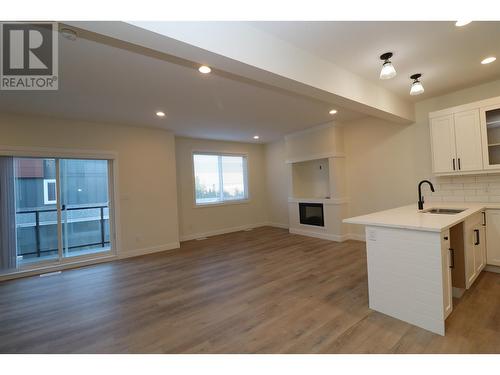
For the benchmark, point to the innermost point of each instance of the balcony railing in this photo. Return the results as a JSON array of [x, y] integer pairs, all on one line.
[[75, 219]]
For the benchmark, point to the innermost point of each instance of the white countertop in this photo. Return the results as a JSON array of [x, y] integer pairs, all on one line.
[[408, 217]]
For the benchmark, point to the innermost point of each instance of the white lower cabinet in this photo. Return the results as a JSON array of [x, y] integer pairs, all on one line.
[[474, 248], [493, 237], [447, 264]]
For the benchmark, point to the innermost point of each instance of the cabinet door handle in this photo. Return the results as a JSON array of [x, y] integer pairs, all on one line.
[[452, 265], [476, 231], [484, 219], [459, 167], [453, 163]]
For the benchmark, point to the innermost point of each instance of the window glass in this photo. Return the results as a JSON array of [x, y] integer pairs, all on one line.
[[220, 178], [207, 178], [233, 179]]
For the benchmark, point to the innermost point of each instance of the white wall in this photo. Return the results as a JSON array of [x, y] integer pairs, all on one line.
[[277, 180], [385, 161], [319, 142], [197, 222], [146, 172]]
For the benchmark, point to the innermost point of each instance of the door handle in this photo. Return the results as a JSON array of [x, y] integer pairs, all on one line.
[[476, 231], [459, 167], [484, 218], [453, 163], [452, 252]]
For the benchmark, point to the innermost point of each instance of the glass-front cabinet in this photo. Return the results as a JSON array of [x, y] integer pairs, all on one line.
[[490, 121]]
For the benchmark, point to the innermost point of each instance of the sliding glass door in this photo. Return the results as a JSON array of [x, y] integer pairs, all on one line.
[[52, 209], [36, 210], [84, 206]]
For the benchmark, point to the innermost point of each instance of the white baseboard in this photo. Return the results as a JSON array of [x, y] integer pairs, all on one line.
[[217, 232], [329, 236], [491, 268], [149, 250], [324, 236], [194, 236], [276, 225], [357, 237]]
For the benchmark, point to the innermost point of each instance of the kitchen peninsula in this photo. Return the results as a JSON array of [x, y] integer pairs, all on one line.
[[417, 259]]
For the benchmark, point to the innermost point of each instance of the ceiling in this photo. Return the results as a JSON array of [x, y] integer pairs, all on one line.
[[448, 56], [103, 83]]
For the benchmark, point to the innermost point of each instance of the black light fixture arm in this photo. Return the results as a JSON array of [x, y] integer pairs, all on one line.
[[416, 77], [386, 56]]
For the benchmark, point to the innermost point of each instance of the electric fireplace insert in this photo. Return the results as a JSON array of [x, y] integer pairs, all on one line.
[[311, 214]]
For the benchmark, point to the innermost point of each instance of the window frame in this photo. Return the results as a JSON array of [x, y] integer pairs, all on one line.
[[46, 182], [221, 202]]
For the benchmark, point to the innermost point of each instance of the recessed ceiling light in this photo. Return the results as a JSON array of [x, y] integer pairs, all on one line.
[[204, 69], [488, 60], [416, 87], [160, 114], [388, 71], [256, 137], [332, 111], [462, 23]]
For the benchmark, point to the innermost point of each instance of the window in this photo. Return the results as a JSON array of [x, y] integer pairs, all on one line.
[[220, 178], [49, 191]]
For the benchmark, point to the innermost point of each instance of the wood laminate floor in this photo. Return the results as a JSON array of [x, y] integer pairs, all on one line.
[[262, 291]]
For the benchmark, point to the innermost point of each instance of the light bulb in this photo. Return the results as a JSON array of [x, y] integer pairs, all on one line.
[[387, 71], [416, 88], [204, 69], [488, 60]]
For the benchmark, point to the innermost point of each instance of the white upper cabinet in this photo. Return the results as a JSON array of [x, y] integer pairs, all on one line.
[[443, 144], [490, 125], [468, 141], [456, 142]]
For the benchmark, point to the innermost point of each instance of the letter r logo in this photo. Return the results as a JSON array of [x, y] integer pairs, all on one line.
[[29, 49]]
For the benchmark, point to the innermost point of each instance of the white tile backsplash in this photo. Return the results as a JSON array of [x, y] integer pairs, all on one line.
[[484, 188], [451, 186]]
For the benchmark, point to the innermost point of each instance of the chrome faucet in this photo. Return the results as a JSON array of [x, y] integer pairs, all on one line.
[[420, 197]]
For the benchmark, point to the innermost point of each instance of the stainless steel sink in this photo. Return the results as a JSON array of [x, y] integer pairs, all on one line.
[[444, 211]]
